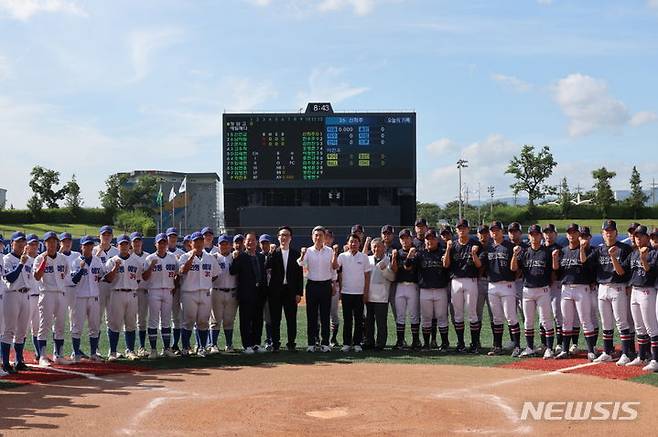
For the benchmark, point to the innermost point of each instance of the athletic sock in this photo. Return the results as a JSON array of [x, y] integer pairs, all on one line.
[[76, 345], [18, 347], [515, 334], [443, 331], [575, 334], [142, 339], [4, 349], [626, 340], [566, 339], [59, 346], [153, 338], [37, 349], [399, 330], [497, 335], [203, 336], [530, 338], [426, 337], [228, 333], [214, 336], [186, 335], [93, 345], [654, 347], [415, 328], [550, 338], [130, 340], [114, 340], [558, 335], [459, 330], [433, 328], [608, 345], [166, 337], [542, 334], [176, 337]]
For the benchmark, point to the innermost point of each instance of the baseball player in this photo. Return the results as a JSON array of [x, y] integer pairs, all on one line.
[[420, 226], [502, 290], [124, 271], [172, 240], [536, 263], [3, 289], [51, 272], [208, 240], [33, 251], [198, 269], [407, 296], [335, 297], [446, 234], [643, 264], [550, 235], [238, 243], [66, 243], [462, 257], [577, 293], [654, 239], [105, 251], [137, 245], [585, 238], [187, 243], [483, 283], [610, 261], [160, 271], [87, 272], [387, 237], [223, 297], [16, 302]]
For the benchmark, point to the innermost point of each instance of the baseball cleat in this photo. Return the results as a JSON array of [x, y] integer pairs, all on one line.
[[3, 373], [591, 357], [269, 348], [444, 347], [168, 353], [562, 355], [132, 356], [229, 349], [76, 358], [603, 358], [548, 354], [260, 349], [358, 348], [460, 349], [433, 345], [636, 362], [558, 349], [623, 360], [310, 349], [44, 362], [325, 348], [201, 352], [248, 350], [398, 346], [153, 354], [652, 366], [573, 349], [184, 352], [142, 353], [345, 348], [516, 352], [96, 357], [9, 370], [539, 350], [495, 351], [212, 350], [112, 356], [527, 352], [62, 361]]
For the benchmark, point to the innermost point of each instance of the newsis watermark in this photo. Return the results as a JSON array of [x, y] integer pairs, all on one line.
[[580, 410]]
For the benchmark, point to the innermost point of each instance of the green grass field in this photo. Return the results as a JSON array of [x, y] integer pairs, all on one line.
[[77, 230], [595, 225]]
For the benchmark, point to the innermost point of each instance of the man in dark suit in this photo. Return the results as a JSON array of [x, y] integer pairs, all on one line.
[[249, 267], [286, 288]]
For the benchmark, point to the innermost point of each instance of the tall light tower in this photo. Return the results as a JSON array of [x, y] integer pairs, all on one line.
[[461, 163], [490, 190]]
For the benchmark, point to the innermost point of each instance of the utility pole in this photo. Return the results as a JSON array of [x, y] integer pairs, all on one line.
[[490, 190], [653, 192], [461, 163], [479, 206]]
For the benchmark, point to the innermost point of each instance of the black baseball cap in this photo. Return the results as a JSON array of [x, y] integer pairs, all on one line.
[[482, 229], [357, 228], [431, 233], [609, 224], [534, 229], [573, 227], [404, 233], [445, 229], [654, 233], [640, 230], [585, 231], [420, 222], [632, 226], [462, 223], [549, 228], [496, 225], [514, 226], [387, 229]]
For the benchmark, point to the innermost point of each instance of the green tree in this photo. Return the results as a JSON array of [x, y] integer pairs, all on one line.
[[637, 198], [43, 184], [531, 170], [429, 211], [119, 195], [73, 199], [35, 205], [564, 198], [143, 194], [603, 198], [114, 198]]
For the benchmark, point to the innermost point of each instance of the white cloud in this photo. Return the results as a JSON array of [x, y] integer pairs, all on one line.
[[588, 105], [325, 85], [643, 117], [360, 7], [545, 2], [652, 4], [24, 9], [512, 82], [441, 147], [260, 2], [145, 44], [5, 69], [302, 7], [244, 94]]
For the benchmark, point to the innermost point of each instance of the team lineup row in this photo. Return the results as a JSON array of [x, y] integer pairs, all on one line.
[[427, 279]]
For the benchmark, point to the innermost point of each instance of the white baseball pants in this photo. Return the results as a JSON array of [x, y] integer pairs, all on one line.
[[159, 308], [224, 309], [407, 300], [86, 308], [196, 308], [537, 299], [434, 305], [643, 306], [576, 306], [613, 306], [122, 310], [53, 306], [502, 299], [464, 298], [16, 311]]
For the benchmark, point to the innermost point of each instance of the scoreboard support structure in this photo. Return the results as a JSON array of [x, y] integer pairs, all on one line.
[[318, 167]]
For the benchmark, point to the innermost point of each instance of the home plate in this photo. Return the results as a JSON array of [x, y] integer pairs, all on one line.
[[329, 413]]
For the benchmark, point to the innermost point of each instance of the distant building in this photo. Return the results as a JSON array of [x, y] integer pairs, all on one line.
[[203, 197], [3, 198]]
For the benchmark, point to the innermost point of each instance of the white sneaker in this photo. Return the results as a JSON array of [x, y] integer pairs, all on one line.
[[248, 350], [62, 361], [516, 352], [184, 352], [358, 348], [310, 349], [112, 356], [652, 366], [573, 349], [259, 349], [539, 350], [591, 357], [96, 357], [325, 348], [153, 354], [3, 373], [558, 349], [346, 348], [229, 349], [548, 354], [562, 355], [527, 352], [132, 356], [44, 362], [213, 350], [201, 352], [636, 362], [623, 360], [76, 358], [168, 353], [603, 358], [142, 353]]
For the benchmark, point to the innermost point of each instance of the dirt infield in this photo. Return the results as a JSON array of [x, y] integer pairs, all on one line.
[[321, 399]]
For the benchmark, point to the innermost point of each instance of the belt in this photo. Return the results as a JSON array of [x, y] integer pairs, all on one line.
[[226, 289], [408, 283], [318, 282], [34, 295], [23, 290], [124, 289]]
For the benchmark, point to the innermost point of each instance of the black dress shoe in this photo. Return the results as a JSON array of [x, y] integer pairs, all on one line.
[[9, 369], [20, 366]]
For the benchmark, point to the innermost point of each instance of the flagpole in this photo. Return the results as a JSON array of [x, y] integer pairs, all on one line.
[[160, 202], [185, 209]]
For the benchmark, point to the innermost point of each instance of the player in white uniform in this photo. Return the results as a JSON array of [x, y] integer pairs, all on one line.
[[3, 288], [172, 239], [224, 297], [142, 295], [33, 251], [105, 251], [124, 273], [208, 241], [160, 271], [65, 245], [87, 272], [198, 269], [16, 304], [51, 272]]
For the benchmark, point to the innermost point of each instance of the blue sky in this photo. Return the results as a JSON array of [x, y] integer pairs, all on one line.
[[92, 87]]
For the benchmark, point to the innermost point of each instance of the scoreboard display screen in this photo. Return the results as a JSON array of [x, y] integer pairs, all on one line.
[[302, 148]]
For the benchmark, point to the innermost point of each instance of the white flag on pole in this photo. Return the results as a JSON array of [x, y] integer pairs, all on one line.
[[172, 195], [183, 185]]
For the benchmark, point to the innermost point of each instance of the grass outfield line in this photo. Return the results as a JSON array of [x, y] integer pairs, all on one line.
[[77, 230], [595, 224]]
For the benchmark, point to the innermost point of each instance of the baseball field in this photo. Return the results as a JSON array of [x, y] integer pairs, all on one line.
[[390, 393]]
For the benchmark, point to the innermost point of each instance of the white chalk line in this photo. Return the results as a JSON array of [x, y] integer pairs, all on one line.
[[73, 372]]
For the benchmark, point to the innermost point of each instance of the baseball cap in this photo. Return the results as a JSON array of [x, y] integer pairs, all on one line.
[[496, 224], [420, 222], [404, 233], [86, 239], [123, 239], [17, 236], [161, 237], [483, 229], [654, 233], [187, 238], [223, 239], [65, 236], [265, 237], [206, 230], [32, 238], [105, 229], [356, 228], [135, 236], [609, 224], [50, 234], [387, 229], [640, 230], [532, 229], [462, 223], [2, 239], [585, 230], [445, 229], [171, 231], [196, 236], [549, 228], [632, 226], [431, 233], [238, 237], [573, 227], [514, 226]]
